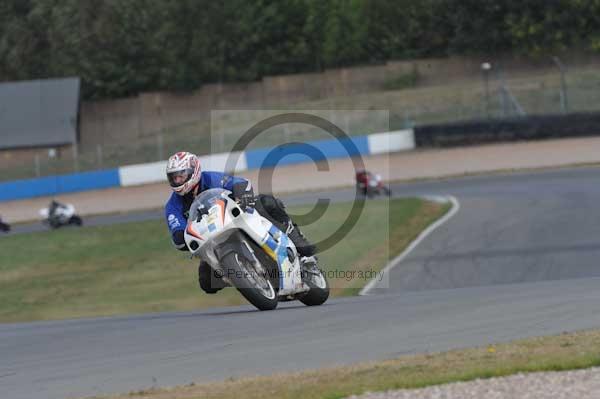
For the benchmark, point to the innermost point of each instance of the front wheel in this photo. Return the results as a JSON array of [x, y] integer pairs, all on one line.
[[319, 288], [54, 223], [252, 283]]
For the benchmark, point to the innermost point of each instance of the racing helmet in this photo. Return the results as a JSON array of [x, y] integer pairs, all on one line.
[[183, 172]]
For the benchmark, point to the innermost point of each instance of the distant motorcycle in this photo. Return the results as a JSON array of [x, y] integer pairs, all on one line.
[[58, 215], [4, 227], [369, 184]]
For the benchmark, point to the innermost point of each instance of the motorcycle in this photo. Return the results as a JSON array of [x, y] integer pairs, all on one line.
[[58, 215], [4, 227], [369, 185], [248, 252]]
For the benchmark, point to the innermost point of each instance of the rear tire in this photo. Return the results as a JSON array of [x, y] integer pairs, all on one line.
[[76, 220], [237, 273]]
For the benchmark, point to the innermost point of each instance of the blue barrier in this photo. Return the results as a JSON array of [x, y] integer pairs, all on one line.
[[286, 154], [53, 185], [293, 153]]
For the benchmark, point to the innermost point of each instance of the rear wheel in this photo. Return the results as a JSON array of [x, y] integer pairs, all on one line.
[[75, 220], [250, 280]]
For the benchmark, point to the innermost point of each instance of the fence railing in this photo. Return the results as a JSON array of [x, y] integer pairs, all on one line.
[[495, 94]]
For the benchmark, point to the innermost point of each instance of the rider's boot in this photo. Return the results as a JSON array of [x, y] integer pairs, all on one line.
[[209, 281], [304, 247]]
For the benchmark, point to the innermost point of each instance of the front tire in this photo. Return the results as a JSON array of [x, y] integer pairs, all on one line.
[[54, 224], [257, 289], [207, 279], [361, 192], [319, 288]]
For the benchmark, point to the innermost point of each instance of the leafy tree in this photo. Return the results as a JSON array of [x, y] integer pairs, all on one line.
[[123, 47]]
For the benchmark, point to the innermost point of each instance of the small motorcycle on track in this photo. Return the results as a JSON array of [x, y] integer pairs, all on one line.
[[248, 252], [59, 215], [369, 185]]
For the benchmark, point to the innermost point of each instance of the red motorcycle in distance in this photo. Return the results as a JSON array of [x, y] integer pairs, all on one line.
[[369, 184]]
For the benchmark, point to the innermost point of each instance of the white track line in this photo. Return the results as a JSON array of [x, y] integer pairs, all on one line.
[[394, 262]]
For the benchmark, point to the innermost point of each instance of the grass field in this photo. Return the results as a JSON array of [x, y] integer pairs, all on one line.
[[556, 353], [133, 268]]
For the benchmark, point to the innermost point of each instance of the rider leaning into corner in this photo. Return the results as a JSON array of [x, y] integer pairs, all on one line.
[[187, 180]]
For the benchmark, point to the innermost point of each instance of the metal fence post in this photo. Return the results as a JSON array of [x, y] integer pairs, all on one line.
[[408, 123], [333, 117], [37, 165], [99, 155], [564, 102], [159, 145], [75, 158], [502, 91], [485, 68], [286, 132], [347, 124], [221, 140]]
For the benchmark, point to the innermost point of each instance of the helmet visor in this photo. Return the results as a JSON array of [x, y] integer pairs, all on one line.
[[179, 177]]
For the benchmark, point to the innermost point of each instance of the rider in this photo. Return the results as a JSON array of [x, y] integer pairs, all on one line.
[[187, 180], [53, 209]]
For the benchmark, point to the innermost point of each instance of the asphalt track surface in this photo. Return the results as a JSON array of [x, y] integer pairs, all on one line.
[[519, 259]]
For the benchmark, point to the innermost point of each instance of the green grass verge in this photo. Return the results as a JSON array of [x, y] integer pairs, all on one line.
[[133, 268], [556, 353]]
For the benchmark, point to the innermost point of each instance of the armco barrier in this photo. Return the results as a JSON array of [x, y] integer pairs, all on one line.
[[133, 175], [320, 150], [61, 184], [534, 127], [264, 157], [401, 140]]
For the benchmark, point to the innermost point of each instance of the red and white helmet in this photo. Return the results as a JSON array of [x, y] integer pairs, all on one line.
[[183, 172]]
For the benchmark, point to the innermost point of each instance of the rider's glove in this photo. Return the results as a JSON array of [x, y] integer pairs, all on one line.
[[244, 194], [246, 200]]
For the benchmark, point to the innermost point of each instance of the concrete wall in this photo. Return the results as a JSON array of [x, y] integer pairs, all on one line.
[[128, 119]]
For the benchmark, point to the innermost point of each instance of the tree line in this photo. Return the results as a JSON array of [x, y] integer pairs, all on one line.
[[123, 47]]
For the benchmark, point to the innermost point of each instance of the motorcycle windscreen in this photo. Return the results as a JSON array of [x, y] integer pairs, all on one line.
[[209, 209]]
